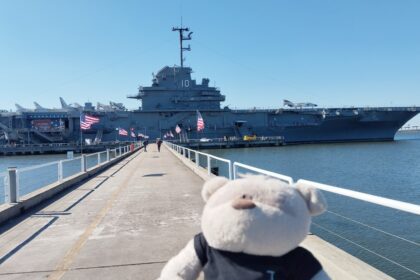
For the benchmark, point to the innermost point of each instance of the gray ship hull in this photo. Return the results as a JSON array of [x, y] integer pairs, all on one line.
[[296, 126]]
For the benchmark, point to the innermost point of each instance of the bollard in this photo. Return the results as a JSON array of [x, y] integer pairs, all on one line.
[[107, 154], [12, 186], [83, 163]]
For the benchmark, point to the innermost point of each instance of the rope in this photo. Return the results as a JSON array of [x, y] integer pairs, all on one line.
[[366, 249]]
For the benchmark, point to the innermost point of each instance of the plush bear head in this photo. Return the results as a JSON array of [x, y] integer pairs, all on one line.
[[258, 215]]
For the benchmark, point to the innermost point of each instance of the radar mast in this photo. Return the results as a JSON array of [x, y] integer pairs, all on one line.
[[182, 38]]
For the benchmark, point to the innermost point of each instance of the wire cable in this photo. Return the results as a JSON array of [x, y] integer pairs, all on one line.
[[366, 249], [374, 228]]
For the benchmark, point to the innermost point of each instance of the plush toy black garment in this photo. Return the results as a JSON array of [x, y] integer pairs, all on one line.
[[223, 265]]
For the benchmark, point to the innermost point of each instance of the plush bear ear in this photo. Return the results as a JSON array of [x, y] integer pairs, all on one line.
[[212, 186], [315, 200]]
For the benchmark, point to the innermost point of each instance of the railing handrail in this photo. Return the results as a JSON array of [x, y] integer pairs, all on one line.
[[378, 200], [212, 156], [387, 202], [59, 165], [204, 154], [282, 177], [23, 169], [229, 162], [70, 159]]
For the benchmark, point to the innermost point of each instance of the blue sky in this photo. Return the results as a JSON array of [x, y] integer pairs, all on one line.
[[333, 53]]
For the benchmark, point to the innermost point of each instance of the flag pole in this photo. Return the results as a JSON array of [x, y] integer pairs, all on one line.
[[81, 134]]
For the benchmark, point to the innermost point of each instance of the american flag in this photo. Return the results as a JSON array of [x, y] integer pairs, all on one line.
[[200, 122], [122, 131], [177, 129], [86, 121]]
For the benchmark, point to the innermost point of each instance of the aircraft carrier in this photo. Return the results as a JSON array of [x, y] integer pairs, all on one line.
[[174, 99]]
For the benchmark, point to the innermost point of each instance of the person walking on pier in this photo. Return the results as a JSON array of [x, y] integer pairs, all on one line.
[[145, 142], [158, 143]]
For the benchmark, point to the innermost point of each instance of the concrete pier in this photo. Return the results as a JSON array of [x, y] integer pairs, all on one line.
[[125, 223]]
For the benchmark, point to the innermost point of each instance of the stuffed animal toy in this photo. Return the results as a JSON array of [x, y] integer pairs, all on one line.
[[251, 229]]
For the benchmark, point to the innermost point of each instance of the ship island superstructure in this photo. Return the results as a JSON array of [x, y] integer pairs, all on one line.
[[174, 98]]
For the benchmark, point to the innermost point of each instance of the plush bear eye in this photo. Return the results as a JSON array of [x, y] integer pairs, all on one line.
[[245, 196]]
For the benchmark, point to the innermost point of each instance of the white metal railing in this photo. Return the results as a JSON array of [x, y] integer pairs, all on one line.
[[390, 203], [376, 200], [70, 167], [283, 178], [188, 154], [3, 178], [31, 178]]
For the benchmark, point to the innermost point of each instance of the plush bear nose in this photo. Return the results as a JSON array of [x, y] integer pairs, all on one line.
[[244, 202]]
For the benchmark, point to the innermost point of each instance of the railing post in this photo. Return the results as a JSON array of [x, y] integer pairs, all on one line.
[[60, 171], [12, 186], [230, 170], [234, 171], [83, 163], [197, 158], [208, 165], [189, 154], [99, 158], [107, 155], [119, 153]]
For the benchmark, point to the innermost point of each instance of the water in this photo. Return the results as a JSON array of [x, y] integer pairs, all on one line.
[[35, 179], [388, 169]]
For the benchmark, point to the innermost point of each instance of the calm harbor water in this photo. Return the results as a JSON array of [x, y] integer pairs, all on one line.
[[388, 169]]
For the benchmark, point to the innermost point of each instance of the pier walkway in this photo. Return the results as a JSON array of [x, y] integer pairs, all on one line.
[[126, 223], [123, 224]]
